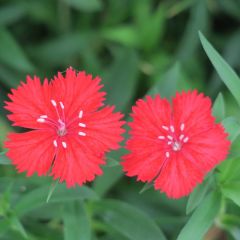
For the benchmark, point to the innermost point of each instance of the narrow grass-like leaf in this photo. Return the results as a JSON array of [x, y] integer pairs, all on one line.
[[4, 160], [128, 220], [231, 191], [232, 126], [227, 74], [197, 196], [219, 108], [202, 219], [76, 222]]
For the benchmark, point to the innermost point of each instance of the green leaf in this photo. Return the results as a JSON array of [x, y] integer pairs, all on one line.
[[171, 82], [125, 35], [232, 126], [85, 5], [219, 108], [128, 220], [227, 74], [202, 219], [76, 222], [12, 54], [37, 197], [197, 196], [121, 79], [4, 160], [231, 191]]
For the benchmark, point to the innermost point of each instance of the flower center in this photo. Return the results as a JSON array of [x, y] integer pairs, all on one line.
[[62, 131], [60, 124], [173, 140]]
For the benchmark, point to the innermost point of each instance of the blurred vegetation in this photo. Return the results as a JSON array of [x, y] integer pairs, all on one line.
[[136, 47]]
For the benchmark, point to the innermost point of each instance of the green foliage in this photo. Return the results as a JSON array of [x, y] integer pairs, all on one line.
[[137, 47]]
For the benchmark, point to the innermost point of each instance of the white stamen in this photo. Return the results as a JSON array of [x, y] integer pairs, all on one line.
[[82, 134], [43, 116], [185, 139], [169, 143], [161, 137], [41, 120], [80, 114], [172, 128], [181, 137], [165, 128], [182, 126], [170, 137], [82, 125], [167, 154], [54, 103], [55, 143], [61, 105], [64, 144]]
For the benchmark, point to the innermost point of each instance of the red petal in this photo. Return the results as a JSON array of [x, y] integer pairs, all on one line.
[[178, 177], [78, 92], [77, 163], [31, 151], [194, 110], [103, 130], [29, 102], [146, 153]]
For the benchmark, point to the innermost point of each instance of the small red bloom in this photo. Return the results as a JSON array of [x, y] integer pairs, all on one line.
[[70, 133], [175, 147]]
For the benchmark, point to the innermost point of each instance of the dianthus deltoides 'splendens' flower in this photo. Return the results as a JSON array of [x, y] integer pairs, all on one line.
[[174, 146], [70, 130]]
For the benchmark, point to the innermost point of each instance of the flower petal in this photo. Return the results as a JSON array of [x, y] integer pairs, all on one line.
[[178, 177], [194, 111], [103, 130], [29, 101], [76, 164], [147, 153], [78, 91], [31, 151]]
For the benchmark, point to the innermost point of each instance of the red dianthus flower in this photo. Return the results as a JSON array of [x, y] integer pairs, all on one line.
[[69, 132], [175, 147]]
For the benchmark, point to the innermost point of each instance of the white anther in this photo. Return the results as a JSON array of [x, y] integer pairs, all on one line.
[[170, 137], [64, 144], [82, 134], [80, 114], [165, 128], [43, 116], [82, 125], [182, 126], [181, 137], [55, 143], [54, 103], [161, 137], [41, 120], [185, 139], [61, 105], [167, 154], [172, 128], [169, 143]]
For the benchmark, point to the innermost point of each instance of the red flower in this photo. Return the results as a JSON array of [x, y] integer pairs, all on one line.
[[69, 135], [174, 148]]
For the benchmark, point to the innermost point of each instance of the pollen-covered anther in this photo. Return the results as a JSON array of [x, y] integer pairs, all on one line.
[[82, 125], [41, 120], [161, 137], [165, 127], [54, 103], [61, 105], [64, 144], [80, 115], [82, 134], [55, 143], [167, 154]]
